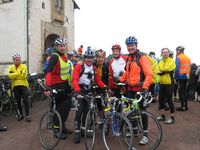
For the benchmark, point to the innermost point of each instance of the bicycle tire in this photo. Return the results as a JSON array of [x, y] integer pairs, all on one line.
[[5, 105], [154, 129], [47, 120], [90, 130], [125, 128]]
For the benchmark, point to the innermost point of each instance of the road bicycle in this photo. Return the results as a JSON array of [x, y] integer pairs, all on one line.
[[116, 126], [50, 122], [136, 115], [35, 91], [7, 100]]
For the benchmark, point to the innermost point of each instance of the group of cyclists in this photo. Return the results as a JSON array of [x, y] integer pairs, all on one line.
[[93, 68], [74, 72]]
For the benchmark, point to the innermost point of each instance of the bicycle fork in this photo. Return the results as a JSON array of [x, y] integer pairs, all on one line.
[[115, 125]]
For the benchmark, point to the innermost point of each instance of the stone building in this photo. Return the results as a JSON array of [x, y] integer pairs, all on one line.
[[31, 26]]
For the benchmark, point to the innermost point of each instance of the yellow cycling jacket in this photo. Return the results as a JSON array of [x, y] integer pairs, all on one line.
[[165, 67], [18, 75]]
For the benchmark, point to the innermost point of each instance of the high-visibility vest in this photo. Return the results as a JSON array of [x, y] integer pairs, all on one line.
[[65, 69], [185, 64]]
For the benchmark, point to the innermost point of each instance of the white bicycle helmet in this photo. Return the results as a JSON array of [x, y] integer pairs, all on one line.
[[16, 55], [60, 41]]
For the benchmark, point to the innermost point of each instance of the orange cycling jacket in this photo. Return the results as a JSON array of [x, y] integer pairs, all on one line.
[[133, 73]]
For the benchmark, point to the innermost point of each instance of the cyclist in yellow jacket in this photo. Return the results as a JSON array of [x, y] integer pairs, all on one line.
[[166, 69], [18, 75]]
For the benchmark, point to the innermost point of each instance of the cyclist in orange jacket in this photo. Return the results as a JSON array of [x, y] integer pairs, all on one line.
[[139, 78]]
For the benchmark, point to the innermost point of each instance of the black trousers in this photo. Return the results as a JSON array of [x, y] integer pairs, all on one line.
[[63, 101], [165, 95], [132, 94], [183, 92], [21, 93], [81, 113]]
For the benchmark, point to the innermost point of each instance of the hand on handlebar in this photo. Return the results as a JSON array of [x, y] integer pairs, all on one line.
[[143, 91], [77, 94], [47, 92]]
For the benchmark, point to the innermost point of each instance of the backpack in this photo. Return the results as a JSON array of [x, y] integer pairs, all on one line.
[[153, 63], [83, 70]]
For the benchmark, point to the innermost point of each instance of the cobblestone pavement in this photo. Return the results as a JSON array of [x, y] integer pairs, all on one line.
[[183, 135]]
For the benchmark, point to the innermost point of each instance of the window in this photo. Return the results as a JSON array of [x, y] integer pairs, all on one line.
[[59, 4], [5, 1], [43, 5]]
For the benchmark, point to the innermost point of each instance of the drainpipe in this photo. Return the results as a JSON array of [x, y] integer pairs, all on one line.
[[27, 34]]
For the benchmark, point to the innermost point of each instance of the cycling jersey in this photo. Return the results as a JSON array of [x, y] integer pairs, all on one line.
[[133, 73], [84, 79], [116, 67]]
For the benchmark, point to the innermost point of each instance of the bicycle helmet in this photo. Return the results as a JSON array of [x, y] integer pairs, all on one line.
[[100, 52], [16, 55], [171, 53], [60, 41], [180, 48], [131, 40], [116, 46], [152, 54], [49, 51], [70, 52], [75, 53], [89, 52]]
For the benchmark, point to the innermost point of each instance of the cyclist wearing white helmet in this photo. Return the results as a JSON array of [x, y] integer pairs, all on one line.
[[58, 76], [18, 75]]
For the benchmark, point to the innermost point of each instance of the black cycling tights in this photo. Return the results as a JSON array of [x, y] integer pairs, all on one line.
[[81, 114], [21, 92]]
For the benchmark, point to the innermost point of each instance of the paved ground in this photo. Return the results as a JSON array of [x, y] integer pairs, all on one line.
[[184, 135]]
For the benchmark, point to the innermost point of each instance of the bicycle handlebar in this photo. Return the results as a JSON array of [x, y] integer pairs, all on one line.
[[132, 99], [54, 91]]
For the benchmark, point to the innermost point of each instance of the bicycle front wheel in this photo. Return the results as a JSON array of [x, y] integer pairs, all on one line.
[[48, 129], [90, 130], [152, 129], [117, 132], [5, 105]]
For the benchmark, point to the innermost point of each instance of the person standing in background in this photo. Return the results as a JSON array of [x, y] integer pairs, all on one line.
[[182, 74], [166, 69], [18, 75], [116, 68]]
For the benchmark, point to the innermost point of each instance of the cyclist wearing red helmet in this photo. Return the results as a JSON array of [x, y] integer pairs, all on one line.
[[116, 68]]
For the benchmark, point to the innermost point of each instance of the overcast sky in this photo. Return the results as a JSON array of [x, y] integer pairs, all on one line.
[[155, 23]]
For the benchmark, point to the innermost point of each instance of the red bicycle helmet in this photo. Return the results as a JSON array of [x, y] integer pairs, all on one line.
[[116, 46]]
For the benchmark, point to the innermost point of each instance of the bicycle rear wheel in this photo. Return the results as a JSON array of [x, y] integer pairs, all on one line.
[[117, 132], [5, 105], [47, 129], [90, 130], [154, 130]]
